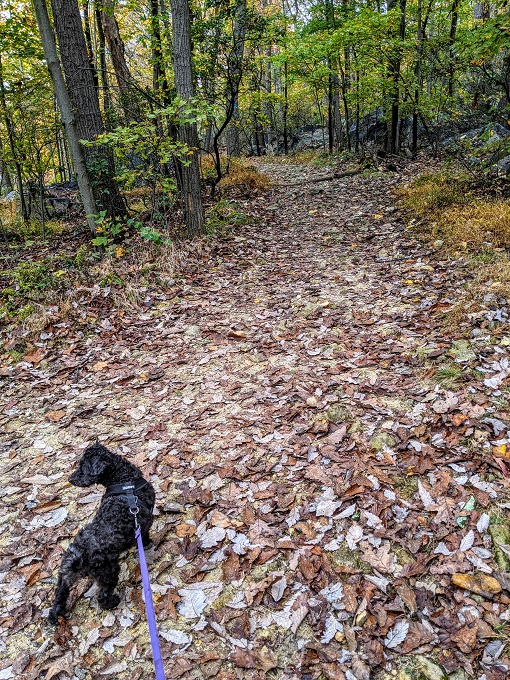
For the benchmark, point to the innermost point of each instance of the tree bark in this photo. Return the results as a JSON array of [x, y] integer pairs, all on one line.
[[5, 178], [12, 147], [395, 76], [105, 84], [128, 93], [453, 32], [64, 103], [188, 133], [419, 40], [234, 75], [85, 104], [88, 41]]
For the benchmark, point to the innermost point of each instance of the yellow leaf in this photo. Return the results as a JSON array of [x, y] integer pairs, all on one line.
[[477, 583], [60, 273], [312, 212], [377, 217], [500, 450], [119, 252], [257, 300], [409, 282]]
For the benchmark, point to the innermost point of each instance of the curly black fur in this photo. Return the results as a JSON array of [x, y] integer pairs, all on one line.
[[97, 547]]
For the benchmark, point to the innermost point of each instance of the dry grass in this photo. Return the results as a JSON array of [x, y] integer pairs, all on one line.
[[477, 226], [241, 173], [464, 222], [430, 193], [456, 213], [494, 277]]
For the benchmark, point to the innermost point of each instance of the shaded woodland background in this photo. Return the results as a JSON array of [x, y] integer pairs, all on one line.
[[265, 78]]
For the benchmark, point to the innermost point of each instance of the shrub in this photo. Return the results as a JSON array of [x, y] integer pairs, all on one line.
[[34, 276]]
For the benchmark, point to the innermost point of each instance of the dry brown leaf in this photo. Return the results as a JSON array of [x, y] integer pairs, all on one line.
[[185, 529], [55, 416]]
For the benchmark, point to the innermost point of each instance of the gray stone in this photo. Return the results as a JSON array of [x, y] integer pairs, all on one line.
[[503, 166], [382, 440]]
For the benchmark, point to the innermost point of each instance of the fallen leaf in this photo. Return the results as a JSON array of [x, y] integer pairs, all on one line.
[[55, 416], [481, 584]]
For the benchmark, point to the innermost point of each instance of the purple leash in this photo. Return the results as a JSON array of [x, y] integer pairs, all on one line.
[[149, 608], [132, 500]]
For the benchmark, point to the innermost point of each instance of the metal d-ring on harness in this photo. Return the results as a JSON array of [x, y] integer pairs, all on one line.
[[128, 490]]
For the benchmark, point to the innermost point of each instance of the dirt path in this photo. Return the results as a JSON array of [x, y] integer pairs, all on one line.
[[323, 455]]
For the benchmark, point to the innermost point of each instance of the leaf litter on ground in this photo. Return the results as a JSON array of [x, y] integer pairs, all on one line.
[[325, 505]]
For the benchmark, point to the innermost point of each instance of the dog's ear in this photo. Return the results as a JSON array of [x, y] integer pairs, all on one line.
[[97, 467]]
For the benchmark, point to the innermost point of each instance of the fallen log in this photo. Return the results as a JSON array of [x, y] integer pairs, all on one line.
[[336, 175]]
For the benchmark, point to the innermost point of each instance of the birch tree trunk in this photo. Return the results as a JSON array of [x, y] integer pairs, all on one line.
[[64, 103], [188, 133]]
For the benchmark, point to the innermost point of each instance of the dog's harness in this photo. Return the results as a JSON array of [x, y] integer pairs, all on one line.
[[128, 490]]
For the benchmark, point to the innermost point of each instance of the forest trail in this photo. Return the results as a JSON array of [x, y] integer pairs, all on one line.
[[322, 451]]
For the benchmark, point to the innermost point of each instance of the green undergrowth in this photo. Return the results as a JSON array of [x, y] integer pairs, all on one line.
[[46, 281]]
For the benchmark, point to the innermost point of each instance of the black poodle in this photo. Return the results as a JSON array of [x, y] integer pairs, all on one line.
[[97, 547]]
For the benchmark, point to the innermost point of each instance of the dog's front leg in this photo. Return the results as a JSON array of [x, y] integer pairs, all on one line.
[[107, 579], [67, 576]]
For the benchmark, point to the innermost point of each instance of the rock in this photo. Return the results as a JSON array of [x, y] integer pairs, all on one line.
[[459, 674], [382, 440], [309, 137], [503, 166], [310, 309], [500, 534], [428, 670], [461, 350], [193, 331], [337, 413], [478, 583]]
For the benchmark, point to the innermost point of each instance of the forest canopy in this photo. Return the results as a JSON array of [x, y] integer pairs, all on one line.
[[166, 93]]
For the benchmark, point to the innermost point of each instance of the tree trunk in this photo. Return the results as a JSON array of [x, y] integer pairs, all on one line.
[[64, 102], [128, 94], [5, 177], [105, 84], [188, 134], [419, 37], [88, 41], [234, 75], [85, 104], [453, 31], [12, 147], [285, 109], [395, 76]]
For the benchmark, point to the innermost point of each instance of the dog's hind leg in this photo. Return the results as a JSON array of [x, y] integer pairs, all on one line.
[[107, 576], [67, 576]]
